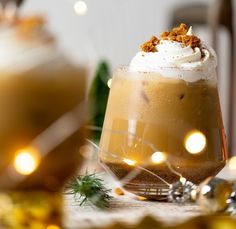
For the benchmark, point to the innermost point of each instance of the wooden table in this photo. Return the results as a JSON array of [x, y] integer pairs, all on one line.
[[129, 209]]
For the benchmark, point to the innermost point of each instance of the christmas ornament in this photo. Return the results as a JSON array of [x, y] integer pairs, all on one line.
[[180, 192], [213, 195]]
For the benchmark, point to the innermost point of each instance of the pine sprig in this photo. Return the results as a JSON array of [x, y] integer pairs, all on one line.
[[89, 188]]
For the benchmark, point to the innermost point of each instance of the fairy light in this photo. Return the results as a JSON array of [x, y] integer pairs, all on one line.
[[26, 161], [232, 163], [195, 142], [129, 161], [182, 180], [133, 163], [158, 157], [109, 83], [80, 8], [205, 189]]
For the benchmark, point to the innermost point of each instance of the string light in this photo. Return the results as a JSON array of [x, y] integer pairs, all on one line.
[[26, 161], [195, 142], [80, 8], [109, 83], [158, 157], [205, 189], [232, 163], [129, 162], [182, 180]]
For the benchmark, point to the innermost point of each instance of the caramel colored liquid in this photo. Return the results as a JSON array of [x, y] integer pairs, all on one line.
[[148, 113]]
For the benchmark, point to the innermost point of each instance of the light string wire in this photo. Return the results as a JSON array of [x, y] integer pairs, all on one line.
[[136, 166], [63, 128], [151, 145], [50, 138]]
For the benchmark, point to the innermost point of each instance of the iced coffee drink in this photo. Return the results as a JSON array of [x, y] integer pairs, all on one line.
[[163, 110], [41, 123]]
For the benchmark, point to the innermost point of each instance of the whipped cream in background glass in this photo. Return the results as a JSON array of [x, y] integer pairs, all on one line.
[[20, 53], [175, 60]]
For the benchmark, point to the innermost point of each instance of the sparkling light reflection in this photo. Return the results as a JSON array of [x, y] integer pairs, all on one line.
[[80, 8], [182, 180], [195, 142], [26, 161], [158, 157], [109, 83], [232, 163], [205, 189], [129, 162]]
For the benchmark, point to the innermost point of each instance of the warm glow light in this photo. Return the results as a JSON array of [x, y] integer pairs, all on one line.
[[26, 161], [109, 83], [80, 8], [129, 162], [182, 180], [195, 142], [158, 157], [53, 227], [232, 163], [205, 189]]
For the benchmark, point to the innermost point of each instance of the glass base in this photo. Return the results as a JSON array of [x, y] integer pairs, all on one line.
[[30, 210], [150, 191]]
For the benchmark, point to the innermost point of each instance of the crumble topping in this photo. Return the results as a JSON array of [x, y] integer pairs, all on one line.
[[150, 46], [178, 34]]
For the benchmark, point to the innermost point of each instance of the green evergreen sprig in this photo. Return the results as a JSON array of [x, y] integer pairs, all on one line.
[[89, 188]]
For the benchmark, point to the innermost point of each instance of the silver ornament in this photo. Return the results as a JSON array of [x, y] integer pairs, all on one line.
[[181, 192], [213, 195]]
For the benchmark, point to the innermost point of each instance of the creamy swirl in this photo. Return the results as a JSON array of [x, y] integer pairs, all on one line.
[[175, 60]]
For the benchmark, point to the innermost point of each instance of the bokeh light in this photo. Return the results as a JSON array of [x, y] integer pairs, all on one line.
[[129, 162], [80, 8], [232, 163], [183, 180], [195, 142], [26, 161], [109, 83], [158, 157]]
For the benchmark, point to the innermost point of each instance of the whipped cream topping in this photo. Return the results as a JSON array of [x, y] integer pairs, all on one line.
[[19, 54], [175, 60]]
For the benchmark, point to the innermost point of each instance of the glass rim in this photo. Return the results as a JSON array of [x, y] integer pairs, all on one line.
[[126, 68]]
